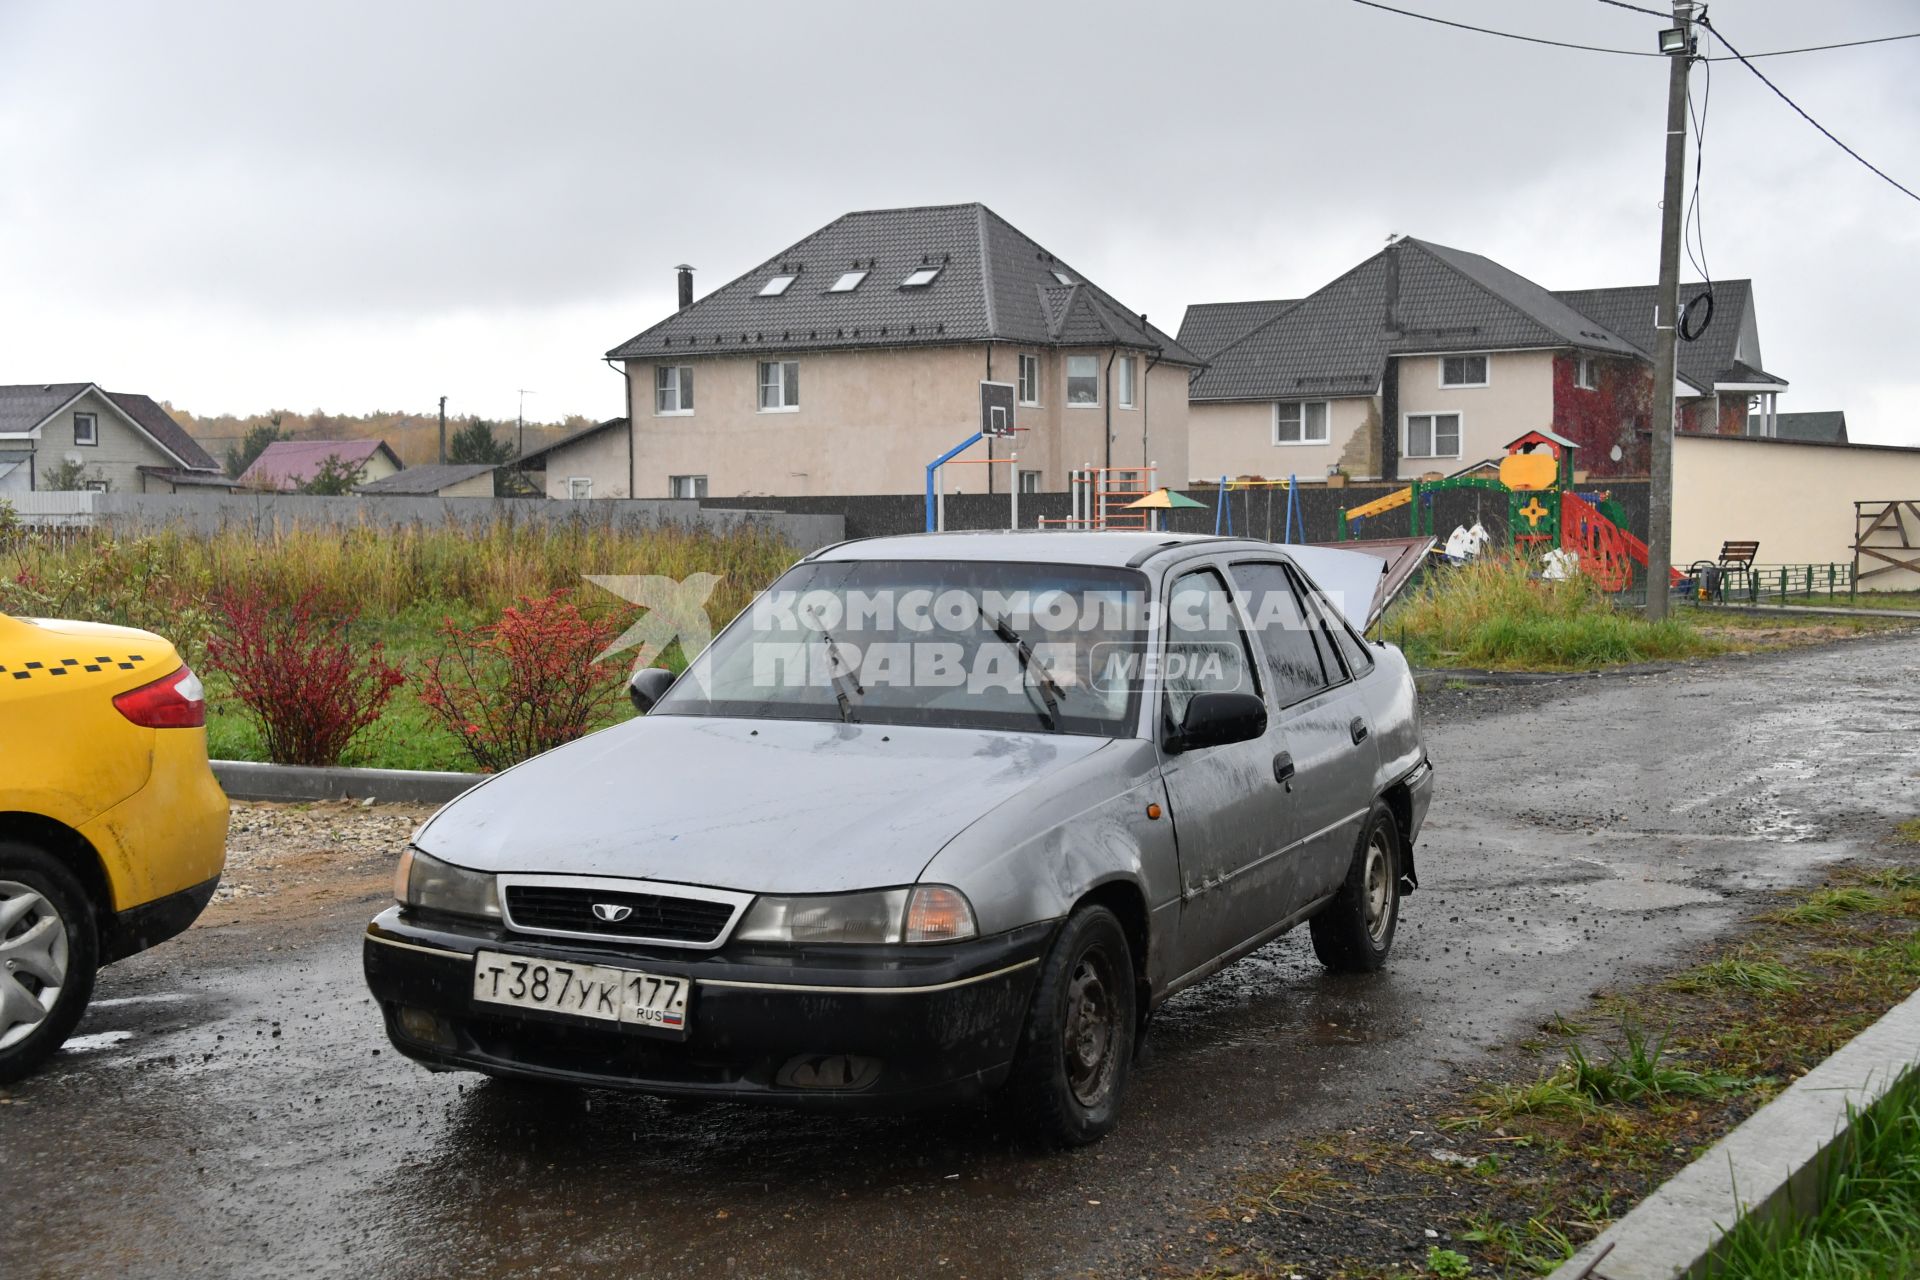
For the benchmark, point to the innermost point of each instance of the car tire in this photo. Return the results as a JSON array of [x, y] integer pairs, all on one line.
[[48, 954], [1076, 1050], [1354, 932]]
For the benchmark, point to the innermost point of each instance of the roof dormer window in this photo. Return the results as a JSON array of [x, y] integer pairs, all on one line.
[[920, 277], [1062, 277], [848, 282], [776, 286]]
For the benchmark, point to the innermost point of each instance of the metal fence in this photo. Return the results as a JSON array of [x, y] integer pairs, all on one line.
[[1779, 583]]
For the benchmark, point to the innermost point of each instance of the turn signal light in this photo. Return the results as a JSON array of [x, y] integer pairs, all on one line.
[[177, 701], [936, 913]]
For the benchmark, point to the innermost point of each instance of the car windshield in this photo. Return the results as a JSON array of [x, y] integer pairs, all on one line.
[[969, 644]]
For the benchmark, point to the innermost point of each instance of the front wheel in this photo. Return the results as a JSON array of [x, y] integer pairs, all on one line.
[[1354, 932], [48, 953], [1076, 1050]]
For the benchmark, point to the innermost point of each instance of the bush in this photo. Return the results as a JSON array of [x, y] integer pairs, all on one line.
[[301, 674], [525, 684], [126, 582]]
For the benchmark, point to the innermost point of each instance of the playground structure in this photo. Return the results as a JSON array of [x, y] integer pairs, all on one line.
[[1107, 498], [1295, 521], [1543, 510]]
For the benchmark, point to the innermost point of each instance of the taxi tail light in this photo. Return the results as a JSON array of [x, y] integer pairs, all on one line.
[[936, 913], [178, 701]]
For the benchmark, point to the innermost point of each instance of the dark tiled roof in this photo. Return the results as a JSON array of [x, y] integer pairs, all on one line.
[[995, 284], [1709, 359], [24, 407], [160, 425], [427, 480], [1336, 340], [1209, 326], [1824, 427], [532, 455]]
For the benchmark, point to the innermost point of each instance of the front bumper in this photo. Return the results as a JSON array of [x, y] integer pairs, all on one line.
[[820, 1026]]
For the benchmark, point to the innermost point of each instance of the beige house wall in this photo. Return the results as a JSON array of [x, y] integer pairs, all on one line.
[[870, 421], [1235, 440], [1796, 499], [122, 449], [480, 486], [1518, 398], [600, 458]]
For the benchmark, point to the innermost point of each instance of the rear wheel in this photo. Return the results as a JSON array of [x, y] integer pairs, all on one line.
[[1076, 1050], [1354, 932], [48, 954]]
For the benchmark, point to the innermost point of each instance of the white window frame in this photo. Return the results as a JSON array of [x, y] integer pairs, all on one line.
[[760, 386], [848, 281], [1062, 277], [682, 379], [778, 283], [1028, 481], [1486, 369], [1030, 379], [92, 438], [914, 280], [698, 484], [1406, 433], [579, 488], [1124, 397], [1585, 374], [1071, 403], [1326, 423], [97, 486]]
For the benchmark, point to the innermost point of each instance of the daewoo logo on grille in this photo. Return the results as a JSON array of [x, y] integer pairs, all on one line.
[[611, 912]]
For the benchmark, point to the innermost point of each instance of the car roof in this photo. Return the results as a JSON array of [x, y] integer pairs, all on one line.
[[1118, 548]]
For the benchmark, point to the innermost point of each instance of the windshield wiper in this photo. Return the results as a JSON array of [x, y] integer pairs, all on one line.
[[838, 668], [1050, 689]]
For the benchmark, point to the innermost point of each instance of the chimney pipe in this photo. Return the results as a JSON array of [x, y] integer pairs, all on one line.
[[686, 285]]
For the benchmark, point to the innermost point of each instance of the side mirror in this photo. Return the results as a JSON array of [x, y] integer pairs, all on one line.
[[648, 686], [1215, 719]]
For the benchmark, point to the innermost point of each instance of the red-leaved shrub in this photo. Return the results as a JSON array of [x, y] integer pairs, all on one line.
[[307, 681], [524, 684]]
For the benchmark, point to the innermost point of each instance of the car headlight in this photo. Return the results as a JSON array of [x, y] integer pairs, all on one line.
[[422, 880], [924, 913]]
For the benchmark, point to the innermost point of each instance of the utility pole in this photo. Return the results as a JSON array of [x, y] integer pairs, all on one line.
[[520, 425], [1678, 46], [443, 431]]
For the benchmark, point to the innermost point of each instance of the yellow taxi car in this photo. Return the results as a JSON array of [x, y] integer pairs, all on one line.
[[113, 830]]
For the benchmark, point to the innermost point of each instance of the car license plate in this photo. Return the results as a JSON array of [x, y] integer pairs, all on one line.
[[627, 996]]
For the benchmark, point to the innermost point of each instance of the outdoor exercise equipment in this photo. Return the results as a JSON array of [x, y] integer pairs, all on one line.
[[1296, 518]]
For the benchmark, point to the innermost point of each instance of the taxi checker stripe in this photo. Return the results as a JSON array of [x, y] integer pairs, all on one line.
[[768, 986], [59, 668]]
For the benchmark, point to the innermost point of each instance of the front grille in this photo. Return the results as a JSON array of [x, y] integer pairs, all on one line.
[[653, 915]]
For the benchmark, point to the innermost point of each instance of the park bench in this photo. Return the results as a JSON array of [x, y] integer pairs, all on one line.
[[1737, 558]]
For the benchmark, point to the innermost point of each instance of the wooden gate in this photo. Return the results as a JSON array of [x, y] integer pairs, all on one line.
[[1887, 536]]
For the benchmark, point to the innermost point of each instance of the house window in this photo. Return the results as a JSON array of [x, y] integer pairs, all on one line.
[[1030, 380], [86, 429], [779, 386], [579, 486], [1300, 422], [1432, 435], [1463, 371], [673, 389], [1125, 393], [96, 486], [776, 286], [1062, 277], [686, 486], [919, 277], [1029, 482], [1585, 375], [848, 282], [1083, 382]]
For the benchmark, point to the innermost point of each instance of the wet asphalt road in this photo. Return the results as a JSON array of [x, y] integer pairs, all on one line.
[[252, 1121]]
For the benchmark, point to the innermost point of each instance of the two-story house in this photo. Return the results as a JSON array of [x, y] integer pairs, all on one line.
[[1428, 359], [76, 435], [848, 361]]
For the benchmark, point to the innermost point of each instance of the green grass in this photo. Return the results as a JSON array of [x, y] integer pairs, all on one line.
[[1744, 973], [1881, 600], [1908, 832], [1829, 905], [1868, 1223], [1494, 613]]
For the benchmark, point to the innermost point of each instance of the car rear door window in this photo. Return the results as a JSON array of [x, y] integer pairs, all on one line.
[[1331, 630], [1297, 655]]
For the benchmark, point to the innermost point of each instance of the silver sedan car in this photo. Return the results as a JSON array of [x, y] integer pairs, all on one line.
[[936, 816]]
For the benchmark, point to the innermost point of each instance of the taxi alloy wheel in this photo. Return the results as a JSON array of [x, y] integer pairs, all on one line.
[[48, 951]]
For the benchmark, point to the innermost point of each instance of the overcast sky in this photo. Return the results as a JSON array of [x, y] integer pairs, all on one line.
[[366, 205]]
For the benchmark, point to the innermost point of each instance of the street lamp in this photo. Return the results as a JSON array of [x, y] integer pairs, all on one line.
[[1676, 40]]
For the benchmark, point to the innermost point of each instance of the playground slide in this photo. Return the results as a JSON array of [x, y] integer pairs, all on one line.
[[1604, 547]]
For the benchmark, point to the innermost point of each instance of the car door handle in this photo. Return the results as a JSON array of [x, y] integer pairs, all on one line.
[[1283, 767], [1358, 729]]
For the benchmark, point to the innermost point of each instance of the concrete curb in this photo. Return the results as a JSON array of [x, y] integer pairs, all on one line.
[[249, 780], [1432, 679], [1770, 1164]]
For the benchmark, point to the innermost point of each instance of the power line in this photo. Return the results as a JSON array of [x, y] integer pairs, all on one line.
[[1817, 48], [1622, 4], [1781, 93], [1506, 35]]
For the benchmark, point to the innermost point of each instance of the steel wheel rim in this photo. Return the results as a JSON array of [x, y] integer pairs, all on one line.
[[1091, 1034], [33, 960], [1379, 888]]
